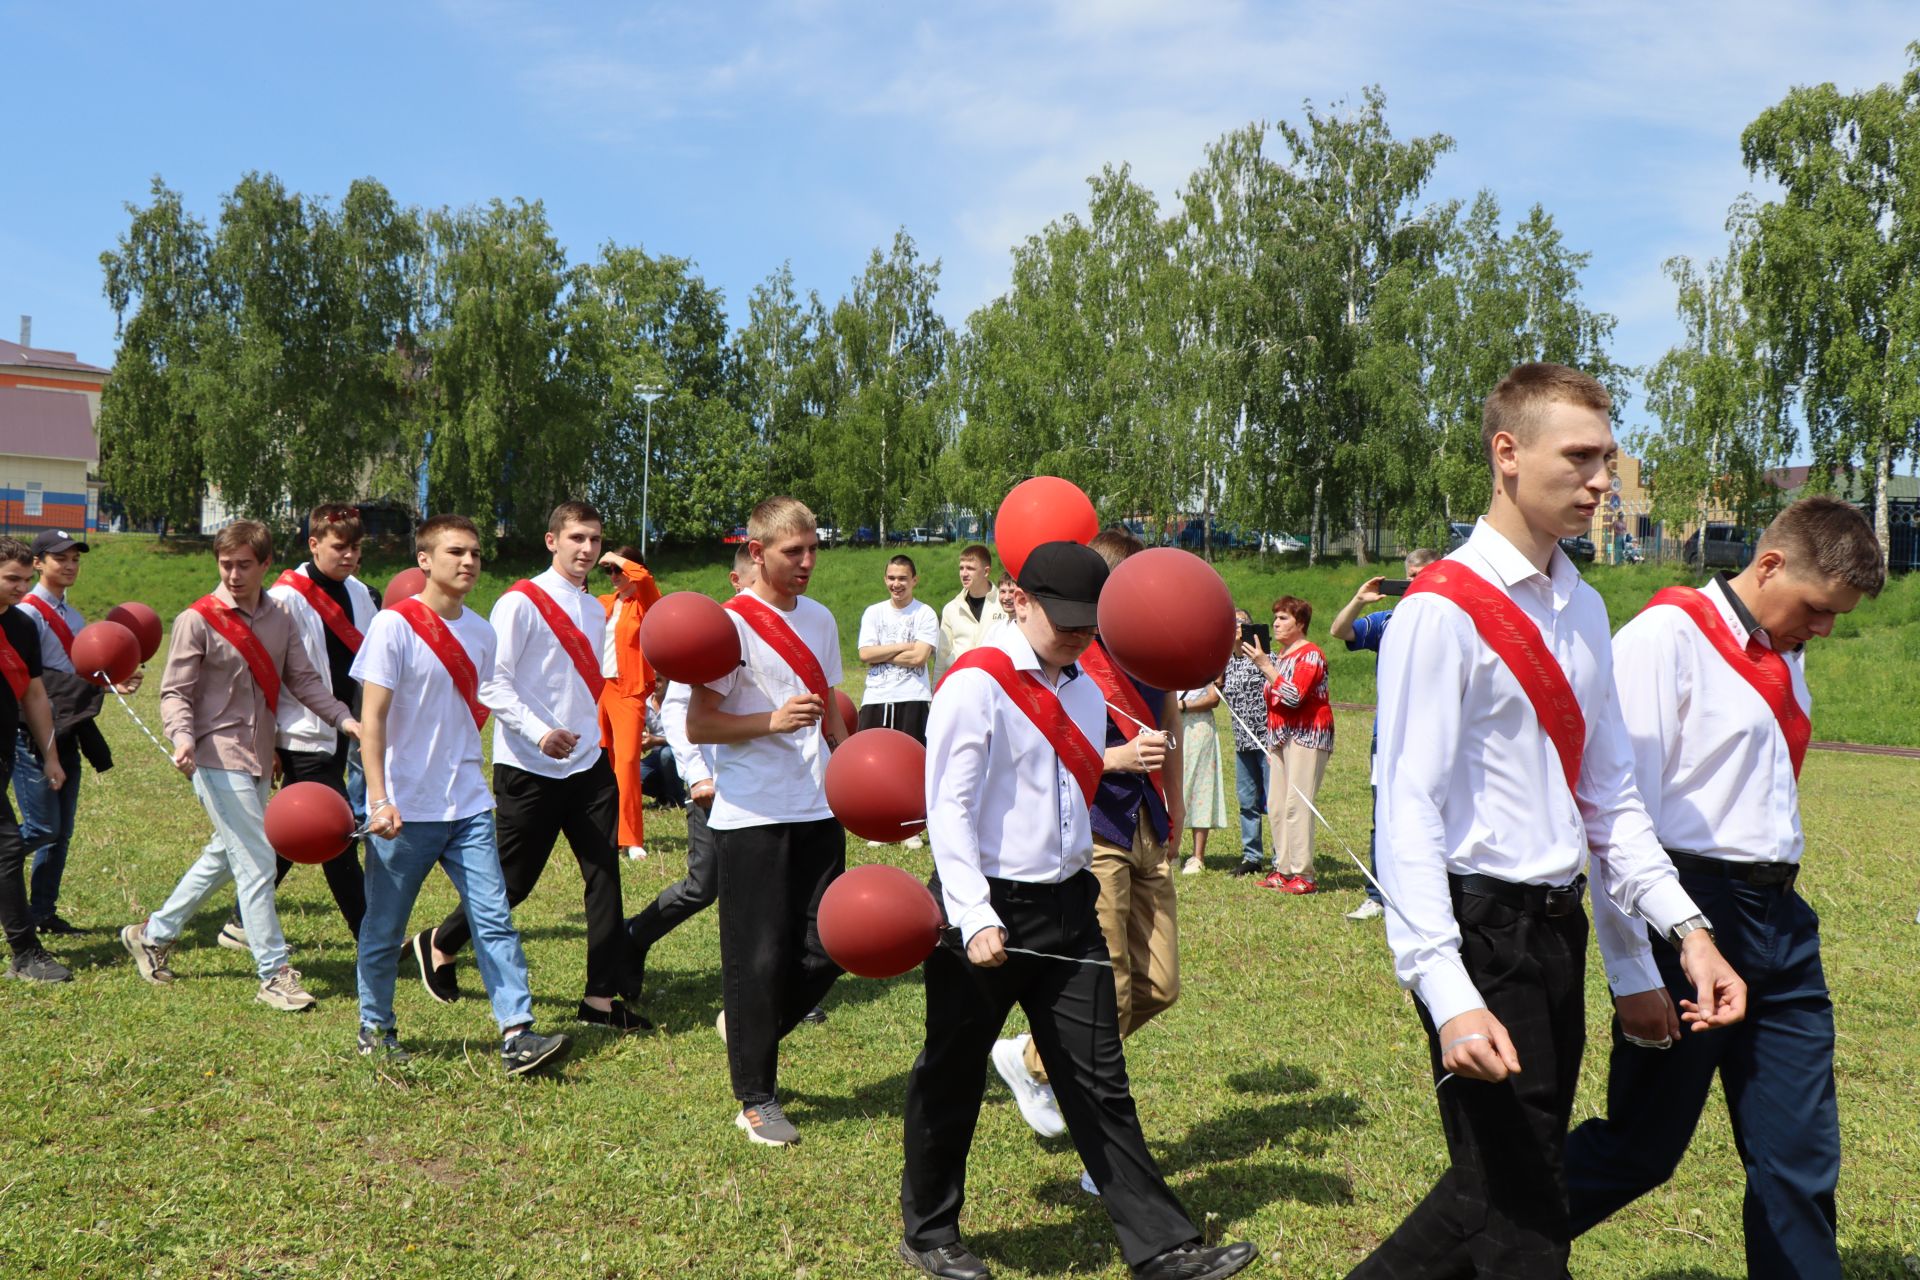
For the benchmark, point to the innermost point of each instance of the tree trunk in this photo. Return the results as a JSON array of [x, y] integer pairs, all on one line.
[[1360, 535], [1313, 523], [1882, 469]]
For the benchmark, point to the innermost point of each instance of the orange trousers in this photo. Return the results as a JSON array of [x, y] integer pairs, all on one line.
[[623, 728]]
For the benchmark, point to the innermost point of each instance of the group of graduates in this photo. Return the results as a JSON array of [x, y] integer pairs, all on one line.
[[1523, 749]]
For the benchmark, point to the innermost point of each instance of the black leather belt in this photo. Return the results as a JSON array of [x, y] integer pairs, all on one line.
[[1762, 875], [1540, 899]]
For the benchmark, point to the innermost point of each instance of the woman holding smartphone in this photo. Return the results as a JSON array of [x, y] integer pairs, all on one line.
[[1300, 721]]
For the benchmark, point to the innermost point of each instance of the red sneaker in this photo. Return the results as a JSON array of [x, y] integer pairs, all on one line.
[[1275, 880], [1298, 884]]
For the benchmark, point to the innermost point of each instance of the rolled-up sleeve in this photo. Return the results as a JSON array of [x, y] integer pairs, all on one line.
[[959, 738]]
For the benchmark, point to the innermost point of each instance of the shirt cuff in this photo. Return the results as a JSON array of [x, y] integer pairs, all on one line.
[[1447, 991], [1665, 905], [1631, 975], [977, 918]]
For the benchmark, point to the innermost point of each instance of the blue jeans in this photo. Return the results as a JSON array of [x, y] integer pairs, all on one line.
[[395, 870], [1250, 780], [46, 821]]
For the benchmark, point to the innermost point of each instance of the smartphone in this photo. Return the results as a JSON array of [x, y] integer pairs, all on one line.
[[1257, 633], [1394, 586]]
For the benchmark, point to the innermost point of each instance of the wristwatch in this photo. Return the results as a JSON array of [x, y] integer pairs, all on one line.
[[1678, 934]]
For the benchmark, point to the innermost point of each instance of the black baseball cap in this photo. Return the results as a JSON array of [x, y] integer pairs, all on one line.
[[1065, 578], [51, 542]]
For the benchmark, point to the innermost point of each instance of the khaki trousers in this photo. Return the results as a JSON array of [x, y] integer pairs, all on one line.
[[1137, 916], [1302, 767]]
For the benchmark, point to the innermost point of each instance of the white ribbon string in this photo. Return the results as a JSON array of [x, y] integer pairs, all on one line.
[[1122, 713], [128, 707], [1047, 955]]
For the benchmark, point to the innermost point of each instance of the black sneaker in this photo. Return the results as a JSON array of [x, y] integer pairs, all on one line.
[[618, 1018], [384, 1044], [1191, 1262], [37, 966], [1245, 868], [815, 1015], [54, 926], [949, 1262], [439, 981], [525, 1051]]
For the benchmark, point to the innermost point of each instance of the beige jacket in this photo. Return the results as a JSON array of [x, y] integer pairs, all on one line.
[[959, 632]]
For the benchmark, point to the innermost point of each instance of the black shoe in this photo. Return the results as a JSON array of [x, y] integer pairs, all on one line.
[[1191, 1262], [949, 1261], [440, 981], [37, 966], [1245, 868], [384, 1044], [618, 1018], [815, 1015], [526, 1052], [55, 927]]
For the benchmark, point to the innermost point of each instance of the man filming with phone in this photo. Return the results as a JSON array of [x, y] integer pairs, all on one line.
[[1365, 631]]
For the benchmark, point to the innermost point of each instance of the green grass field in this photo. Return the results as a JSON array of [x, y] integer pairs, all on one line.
[[189, 1132]]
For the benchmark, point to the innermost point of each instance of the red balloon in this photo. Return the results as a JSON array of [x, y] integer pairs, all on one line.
[[309, 822], [849, 713], [143, 622], [877, 921], [105, 646], [688, 637], [1167, 619], [877, 786], [406, 584], [1043, 509]]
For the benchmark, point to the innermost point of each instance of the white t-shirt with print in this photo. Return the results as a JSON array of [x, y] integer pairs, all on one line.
[[781, 777], [434, 770], [884, 624]]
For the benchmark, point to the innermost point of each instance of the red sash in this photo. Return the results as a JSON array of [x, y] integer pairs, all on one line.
[[438, 636], [55, 623], [241, 637], [1511, 634], [781, 638], [1042, 706], [326, 606], [1760, 667], [1121, 693], [14, 667], [572, 639]]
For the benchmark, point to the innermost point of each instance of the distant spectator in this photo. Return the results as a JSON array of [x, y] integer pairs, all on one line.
[[898, 638], [978, 609], [624, 708], [1245, 690], [1200, 758], [1300, 718], [1007, 587]]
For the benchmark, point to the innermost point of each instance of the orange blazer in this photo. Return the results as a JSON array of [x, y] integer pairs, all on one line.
[[635, 678]]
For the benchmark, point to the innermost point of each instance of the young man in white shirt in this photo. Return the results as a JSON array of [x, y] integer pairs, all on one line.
[[550, 774], [1503, 761], [1712, 689], [898, 638], [1012, 768], [970, 615], [772, 722], [331, 611], [421, 670]]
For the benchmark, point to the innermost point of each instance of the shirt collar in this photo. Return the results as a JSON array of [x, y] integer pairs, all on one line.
[[554, 580], [225, 597], [1015, 644], [1512, 567], [1736, 613], [40, 589]]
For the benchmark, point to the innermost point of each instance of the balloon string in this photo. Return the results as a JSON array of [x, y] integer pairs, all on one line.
[[136, 716], [1043, 955], [1122, 713]]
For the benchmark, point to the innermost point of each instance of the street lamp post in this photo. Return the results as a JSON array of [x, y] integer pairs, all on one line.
[[648, 394]]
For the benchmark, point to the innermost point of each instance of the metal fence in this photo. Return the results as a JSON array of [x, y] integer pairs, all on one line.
[[1626, 532]]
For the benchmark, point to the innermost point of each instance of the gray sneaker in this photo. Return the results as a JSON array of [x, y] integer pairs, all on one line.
[[766, 1124], [284, 992], [382, 1044], [151, 959], [37, 966], [233, 936]]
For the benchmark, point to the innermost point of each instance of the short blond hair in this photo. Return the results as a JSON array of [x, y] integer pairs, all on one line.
[[1825, 537], [779, 515], [1520, 401]]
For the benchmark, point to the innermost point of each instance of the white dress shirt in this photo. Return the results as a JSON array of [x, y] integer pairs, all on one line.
[[694, 762], [1000, 801], [53, 657], [534, 688], [1470, 782], [1708, 755], [295, 727], [609, 651]]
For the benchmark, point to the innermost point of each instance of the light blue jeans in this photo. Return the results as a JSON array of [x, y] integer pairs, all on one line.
[[396, 869], [237, 804]]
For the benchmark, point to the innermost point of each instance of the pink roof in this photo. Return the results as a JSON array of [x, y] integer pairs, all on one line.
[[12, 353], [46, 424]]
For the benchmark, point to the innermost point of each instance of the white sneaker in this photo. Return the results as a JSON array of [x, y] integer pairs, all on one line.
[[915, 842], [873, 844], [1192, 866], [233, 937], [720, 1025], [1086, 1183], [284, 992], [1035, 1099], [636, 853], [1368, 910]]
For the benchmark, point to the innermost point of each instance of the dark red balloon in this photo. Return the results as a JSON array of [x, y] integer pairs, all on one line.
[[143, 622], [105, 646], [309, 822], [849, 713], [877, 921], [406, 584], [688, 637], [877, 785], [1167, 619], [1043, 509]]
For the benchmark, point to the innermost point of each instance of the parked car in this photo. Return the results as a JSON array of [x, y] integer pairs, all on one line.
[[863, 536], [734, 539], [1581, 549], [829, 536], [925, 536], [1727, 546], [1281, 543], [1457, 534]]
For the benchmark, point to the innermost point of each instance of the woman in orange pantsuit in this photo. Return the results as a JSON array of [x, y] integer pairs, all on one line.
[[630, 679]]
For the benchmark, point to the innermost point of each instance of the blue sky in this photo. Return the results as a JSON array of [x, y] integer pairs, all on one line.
[[741, 135]]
